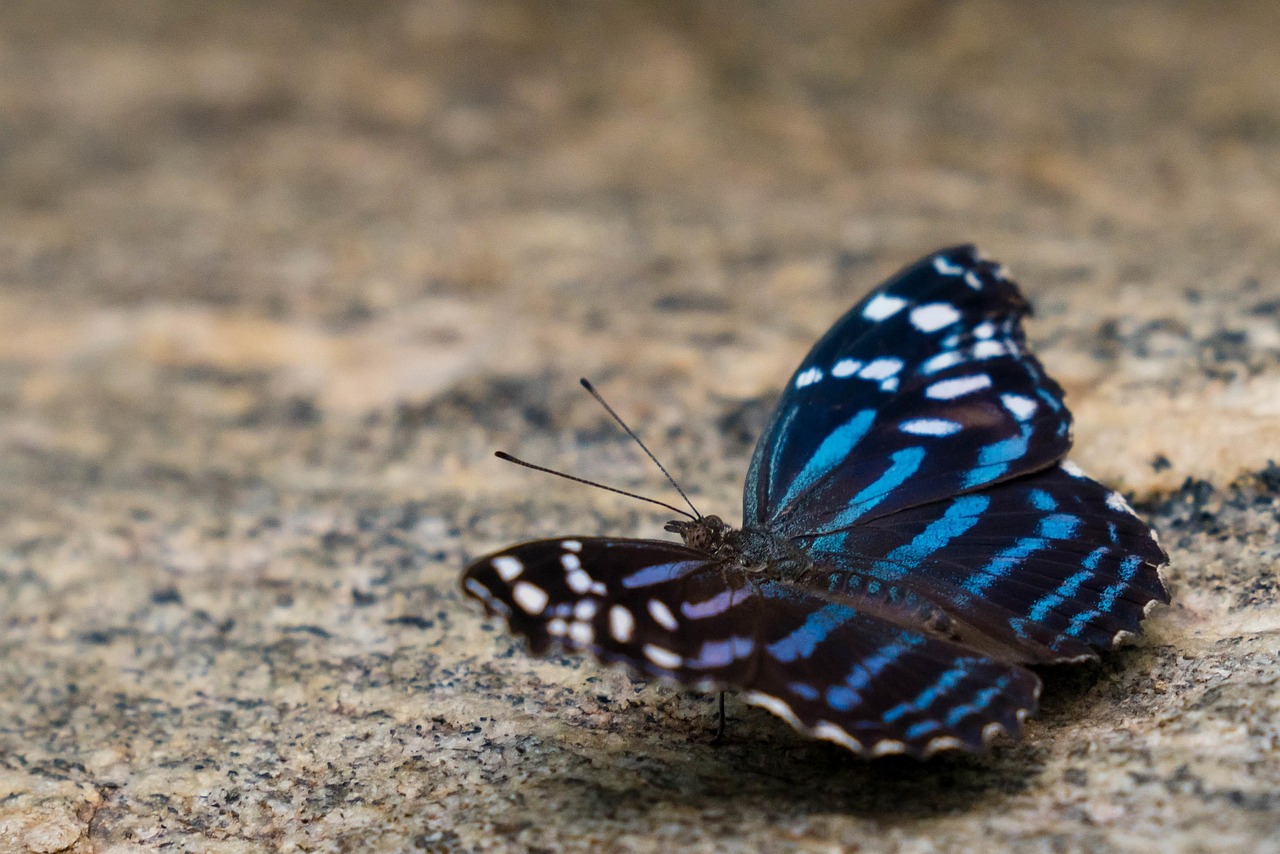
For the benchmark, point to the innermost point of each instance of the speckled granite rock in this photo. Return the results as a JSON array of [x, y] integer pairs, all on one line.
[[275, 278]]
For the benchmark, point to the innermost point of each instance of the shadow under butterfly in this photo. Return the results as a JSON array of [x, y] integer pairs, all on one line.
[[739, 783], [913, 538]]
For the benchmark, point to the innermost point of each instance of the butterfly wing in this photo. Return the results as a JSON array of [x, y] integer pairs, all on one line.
[[1048, 567], [659, 607], [838, 672], [923, 390], [915, 455], [817, 660]]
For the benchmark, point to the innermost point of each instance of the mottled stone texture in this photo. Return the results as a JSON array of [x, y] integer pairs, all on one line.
[[276, 277]]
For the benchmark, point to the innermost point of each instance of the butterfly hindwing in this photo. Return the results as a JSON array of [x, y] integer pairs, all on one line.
[[1051, 566], [820, 661], [923, 390], [840, 673]]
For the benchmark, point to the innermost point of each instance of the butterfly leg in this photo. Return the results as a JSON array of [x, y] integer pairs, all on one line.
[[719, 736]]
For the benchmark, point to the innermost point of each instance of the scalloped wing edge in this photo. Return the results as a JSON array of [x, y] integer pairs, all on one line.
[[823, 730]]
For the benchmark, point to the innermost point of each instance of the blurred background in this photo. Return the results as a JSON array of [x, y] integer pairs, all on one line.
[[277, 277], [236, 219]]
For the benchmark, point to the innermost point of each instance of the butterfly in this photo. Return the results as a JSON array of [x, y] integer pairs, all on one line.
[[913, 538]]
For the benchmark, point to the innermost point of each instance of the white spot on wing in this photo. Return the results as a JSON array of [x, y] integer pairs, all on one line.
[[941, 362], [946, 268], [971, 279], [930, 427], [570, 561], [584, 610], [1117, 503], [951, 389], [508, 567], [845, 368], [828, 731], [530, 598], [1072, 469], [581, 633], [888, 747], [775, 705], [808, 377], [989, 349], [662, 657], [578, 580], [662, 614], [1021, 407], [882, 306], [621, 624], [935, 316], [556, 627], [571, 546], [942, 742], [881, 369], [984, 330]]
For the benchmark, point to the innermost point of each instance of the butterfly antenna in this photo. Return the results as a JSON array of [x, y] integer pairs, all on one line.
[[609, 409], [503, 455]]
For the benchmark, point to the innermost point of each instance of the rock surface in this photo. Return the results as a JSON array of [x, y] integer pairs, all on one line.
[[276, 278]]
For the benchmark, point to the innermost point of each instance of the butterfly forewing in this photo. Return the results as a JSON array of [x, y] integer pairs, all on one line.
[[664, 609], [923, 390]]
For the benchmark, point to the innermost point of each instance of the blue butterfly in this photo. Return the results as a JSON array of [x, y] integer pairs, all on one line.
[[912, 539]]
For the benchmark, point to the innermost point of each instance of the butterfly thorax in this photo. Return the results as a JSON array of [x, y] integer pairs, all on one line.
[[752, 549]]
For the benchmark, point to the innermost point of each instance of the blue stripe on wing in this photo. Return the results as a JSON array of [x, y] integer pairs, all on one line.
[[833, 450], [959, 516], [817, 626], [846, 675], [817, 660], [1051, 566], [923, 390]]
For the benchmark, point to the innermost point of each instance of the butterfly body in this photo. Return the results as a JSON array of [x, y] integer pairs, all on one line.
[[751, 550], [913, 537]]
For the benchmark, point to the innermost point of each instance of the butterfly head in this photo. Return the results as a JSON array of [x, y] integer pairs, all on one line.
[[707, 533]]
